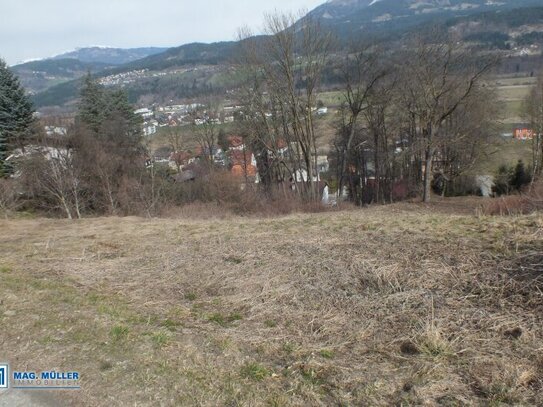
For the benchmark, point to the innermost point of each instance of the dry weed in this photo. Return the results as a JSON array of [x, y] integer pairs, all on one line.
[[385, 306]]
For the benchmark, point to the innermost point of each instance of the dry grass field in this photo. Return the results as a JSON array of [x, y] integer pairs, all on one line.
[[401, 305]]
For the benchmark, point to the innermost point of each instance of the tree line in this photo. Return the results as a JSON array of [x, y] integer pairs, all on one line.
[[412, 121], [406, 116], [98, 168]]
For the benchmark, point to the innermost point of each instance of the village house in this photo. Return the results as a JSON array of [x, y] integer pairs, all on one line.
[[179, 159], [301, 175], [150, 128], [322, 164], [242, 162], [281, 149], [322, 111], [52, 131], [145, 113], [236, 143], [523, 134]]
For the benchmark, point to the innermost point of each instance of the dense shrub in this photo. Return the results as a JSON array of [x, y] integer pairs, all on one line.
[[223, 191], [511, 179]]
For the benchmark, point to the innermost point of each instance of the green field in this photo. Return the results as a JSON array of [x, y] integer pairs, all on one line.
[[334, 98], [503, 151]]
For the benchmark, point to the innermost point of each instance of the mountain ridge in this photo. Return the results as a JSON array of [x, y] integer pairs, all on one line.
[[495, 19], [351, 17], [109, 55]]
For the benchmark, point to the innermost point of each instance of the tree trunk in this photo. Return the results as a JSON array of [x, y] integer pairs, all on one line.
[[347, 150], [66, 208], [377, 169], [428, 174]]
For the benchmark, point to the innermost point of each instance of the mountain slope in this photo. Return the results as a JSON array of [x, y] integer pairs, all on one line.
[[37, 76], [349, 17], [110, 56], [195, 53], [495, 25]]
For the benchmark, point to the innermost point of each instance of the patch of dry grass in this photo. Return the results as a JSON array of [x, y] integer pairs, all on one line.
[[386, 306], [530, 200]]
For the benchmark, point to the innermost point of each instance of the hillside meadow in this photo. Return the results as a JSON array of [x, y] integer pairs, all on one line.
[[399, 305]]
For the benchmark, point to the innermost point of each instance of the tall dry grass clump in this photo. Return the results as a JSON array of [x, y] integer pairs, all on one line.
[[528, 201], [9, 197]]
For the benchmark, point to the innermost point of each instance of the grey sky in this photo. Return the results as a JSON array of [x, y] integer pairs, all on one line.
[[41, 28]]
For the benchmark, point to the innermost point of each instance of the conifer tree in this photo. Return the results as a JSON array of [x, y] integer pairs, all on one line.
[[520, 177], [91, 106], [107, 144], [16, 115], [99, 107]]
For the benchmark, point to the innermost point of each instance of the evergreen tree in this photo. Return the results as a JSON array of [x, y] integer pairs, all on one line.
[[502, 181], [108, 147], [520, 177], [120, 109], [99, 108], [16, 115], [92, 106]]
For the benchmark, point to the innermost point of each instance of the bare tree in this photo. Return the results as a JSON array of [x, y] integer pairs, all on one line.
[[205, 132], [176, 143], [54, 173], [439, 76], [362, 71], [287, 67], [534, 111], [378, 118], [262, 120]]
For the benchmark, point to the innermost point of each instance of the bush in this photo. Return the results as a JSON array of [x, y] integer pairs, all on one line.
[[145, 192], [531, 200], [220, 191], [9, 198], [464, 185], [511, 179], [501, 183]]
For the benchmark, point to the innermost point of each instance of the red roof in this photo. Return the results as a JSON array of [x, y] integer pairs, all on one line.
[[235, 141]]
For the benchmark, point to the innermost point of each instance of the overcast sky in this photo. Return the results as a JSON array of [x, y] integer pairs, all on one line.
[[42, 28]]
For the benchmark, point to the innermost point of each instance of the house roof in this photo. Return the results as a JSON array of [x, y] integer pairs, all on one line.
[[281, 143], [180, 156], [235, 141]]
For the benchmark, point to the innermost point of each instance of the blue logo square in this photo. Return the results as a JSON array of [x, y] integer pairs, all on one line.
[[4, 380]]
